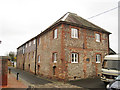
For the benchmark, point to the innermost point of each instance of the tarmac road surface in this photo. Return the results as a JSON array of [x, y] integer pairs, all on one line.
[[29, 77], [90, 83]]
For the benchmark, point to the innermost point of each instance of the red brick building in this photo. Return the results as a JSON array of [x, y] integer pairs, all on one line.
[[71, 48]]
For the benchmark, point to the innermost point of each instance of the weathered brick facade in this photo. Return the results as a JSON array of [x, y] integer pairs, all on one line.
[[3, 70], [64, 45]]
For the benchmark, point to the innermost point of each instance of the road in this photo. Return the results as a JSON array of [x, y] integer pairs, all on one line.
[[29, 77], [90, 83]]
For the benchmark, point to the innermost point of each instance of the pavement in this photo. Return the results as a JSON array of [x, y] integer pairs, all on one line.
[[29, 78], [35, 81], [13, 83]]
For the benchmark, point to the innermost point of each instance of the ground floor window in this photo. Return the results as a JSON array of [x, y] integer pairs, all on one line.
[[98, 58], [74, 58], [38, 58], [54, 57]]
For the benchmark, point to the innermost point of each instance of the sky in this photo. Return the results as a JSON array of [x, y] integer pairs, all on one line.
[[20, 20]]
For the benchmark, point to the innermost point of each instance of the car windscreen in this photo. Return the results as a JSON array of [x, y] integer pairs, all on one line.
[[111, 64], [118, 78]]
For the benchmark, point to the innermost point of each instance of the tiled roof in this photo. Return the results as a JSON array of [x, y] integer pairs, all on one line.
[[75, 19]]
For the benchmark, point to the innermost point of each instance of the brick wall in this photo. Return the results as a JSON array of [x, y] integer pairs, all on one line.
[[3, 70], [45, 50], [64, 45], [86, 47]]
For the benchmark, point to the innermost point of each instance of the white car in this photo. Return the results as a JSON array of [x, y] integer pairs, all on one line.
[[115, 85]]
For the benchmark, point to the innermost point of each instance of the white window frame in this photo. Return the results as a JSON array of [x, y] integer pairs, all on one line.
[[30, 43], [23, 50], [34, 41], [55, 33], [74, 59], [98, 58], [55, 57], [74, 33], [38, 58], [97, 37]]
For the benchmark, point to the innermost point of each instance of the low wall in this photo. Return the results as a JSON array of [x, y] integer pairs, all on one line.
[[3, 70]]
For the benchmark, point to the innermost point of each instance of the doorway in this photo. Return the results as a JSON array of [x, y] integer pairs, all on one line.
[[54, 70], [23, 66], [28, 67], [38, 69]]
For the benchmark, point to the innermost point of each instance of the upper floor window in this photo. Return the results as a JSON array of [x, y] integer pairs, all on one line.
[[55, 34], [39, 59], [74, 33], [74, 58], [29, 43], [98, 58], [34, 41], [23, 50], [54, 57], [26, 45], [97, 37]]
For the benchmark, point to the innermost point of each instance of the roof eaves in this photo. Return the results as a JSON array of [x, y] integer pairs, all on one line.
[[86, 27], [50, 27]]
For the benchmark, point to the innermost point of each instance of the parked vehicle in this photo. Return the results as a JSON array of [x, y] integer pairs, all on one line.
[[110, 68], [115, 85]]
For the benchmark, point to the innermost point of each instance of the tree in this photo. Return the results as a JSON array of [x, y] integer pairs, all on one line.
[[12, 55]]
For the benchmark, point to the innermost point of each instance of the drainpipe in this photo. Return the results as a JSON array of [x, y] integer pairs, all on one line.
[[35, 55], [23, 57]]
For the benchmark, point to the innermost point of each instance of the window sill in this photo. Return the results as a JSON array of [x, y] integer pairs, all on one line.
[[74, 62], [98, 41], [55, 38], [98, 62], [74, 37], [55, 61]]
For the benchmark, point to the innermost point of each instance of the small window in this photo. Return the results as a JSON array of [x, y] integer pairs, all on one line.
[[74, 58], [55, 34], [98, 58], [97, 37], [23, 50], [39, 41], [29, 43], [54, 57], [39, 59], [26, 45], [34, 41], [87, 59], [74, 33]]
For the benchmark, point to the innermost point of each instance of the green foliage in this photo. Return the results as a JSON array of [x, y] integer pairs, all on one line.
[[12, 56]]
